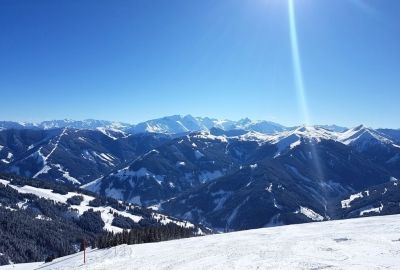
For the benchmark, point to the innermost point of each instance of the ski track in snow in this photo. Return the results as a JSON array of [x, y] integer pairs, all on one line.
[[46, 167], [56, 144], [363, 243]]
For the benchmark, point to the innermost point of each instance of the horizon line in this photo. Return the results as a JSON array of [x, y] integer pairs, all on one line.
[[186, 115]]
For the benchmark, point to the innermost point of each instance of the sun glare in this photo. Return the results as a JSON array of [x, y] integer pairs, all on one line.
[[297, 67], [300, 86]]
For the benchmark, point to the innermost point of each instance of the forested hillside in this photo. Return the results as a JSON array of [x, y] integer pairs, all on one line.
[[40, 220]]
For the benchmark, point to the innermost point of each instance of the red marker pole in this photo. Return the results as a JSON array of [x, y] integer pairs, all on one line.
[[84, 250]]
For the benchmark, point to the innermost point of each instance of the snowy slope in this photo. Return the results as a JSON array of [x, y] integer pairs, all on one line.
[[107, 212], [70, 155], [291, 138], [21, 266], [362, 137], [364, 243]]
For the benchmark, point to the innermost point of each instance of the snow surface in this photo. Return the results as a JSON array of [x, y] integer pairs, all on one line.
[[347, 203], [109, 130], [258, 137], [310, 214], [41, 192], [126, 173], [22, 266], [66, 174], [363, 243], [107, 158], [253, 166], [371, 210], [208, 176], [198, 154], [180, 164], [207, 136], [56, 144], [40, 159]]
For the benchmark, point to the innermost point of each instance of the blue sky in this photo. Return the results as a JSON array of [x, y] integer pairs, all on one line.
[[141, 59]]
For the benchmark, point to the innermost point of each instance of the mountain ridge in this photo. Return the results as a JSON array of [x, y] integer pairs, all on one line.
[[173, 124]]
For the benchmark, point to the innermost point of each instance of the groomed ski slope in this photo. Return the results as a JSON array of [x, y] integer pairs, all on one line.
[[363, 243]]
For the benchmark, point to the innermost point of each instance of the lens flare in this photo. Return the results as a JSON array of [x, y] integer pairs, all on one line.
[[298, 71], [301, 94]]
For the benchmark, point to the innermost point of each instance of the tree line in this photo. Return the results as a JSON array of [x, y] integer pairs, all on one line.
[[152, 234]]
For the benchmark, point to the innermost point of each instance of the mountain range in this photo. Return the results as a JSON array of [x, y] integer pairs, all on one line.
[[174, 124], [227, 175]]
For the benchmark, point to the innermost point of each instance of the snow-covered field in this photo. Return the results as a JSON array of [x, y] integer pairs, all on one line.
[[364, 243]]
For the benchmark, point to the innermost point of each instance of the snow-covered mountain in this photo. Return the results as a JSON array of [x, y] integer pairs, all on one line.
[[166, 171], [298, 185], [225, 181], [260, 126], [211, 171], [363, 243], [380, 147], [85, 124], [175, 124], [182, 124], [362, 137], [70, 155], [289, 139], [66, 123]]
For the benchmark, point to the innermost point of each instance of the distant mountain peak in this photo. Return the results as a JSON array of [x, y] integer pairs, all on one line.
[[359, 127], [244, 121], [362, 136], [176, 124]]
